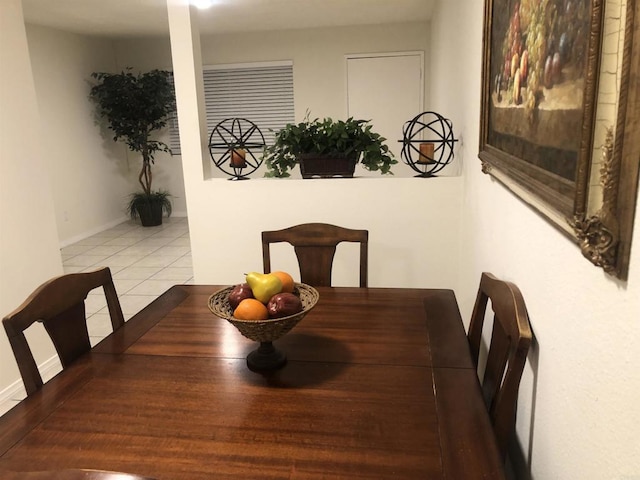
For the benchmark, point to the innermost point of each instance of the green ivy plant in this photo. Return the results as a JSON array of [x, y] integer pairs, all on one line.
[[135, 106], [350, 138]]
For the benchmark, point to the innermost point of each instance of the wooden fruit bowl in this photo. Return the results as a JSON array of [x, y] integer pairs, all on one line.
[[266, 357]]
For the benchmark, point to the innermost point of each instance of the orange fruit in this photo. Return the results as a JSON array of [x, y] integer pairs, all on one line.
[[251, 309], [287, 281]]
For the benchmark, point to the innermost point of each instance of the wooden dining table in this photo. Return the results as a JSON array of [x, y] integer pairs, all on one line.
[[378, 384]]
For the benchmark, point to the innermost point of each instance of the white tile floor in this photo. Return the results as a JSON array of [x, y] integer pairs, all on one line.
[[144, 262]]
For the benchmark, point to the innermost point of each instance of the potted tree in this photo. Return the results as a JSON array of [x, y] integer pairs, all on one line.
[[135, 106], [327, 148]]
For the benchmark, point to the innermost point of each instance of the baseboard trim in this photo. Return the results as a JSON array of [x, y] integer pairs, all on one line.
[[102, 228], [15, 391], [93, 231]]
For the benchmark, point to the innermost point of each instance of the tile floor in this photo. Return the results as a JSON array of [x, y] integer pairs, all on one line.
[[144, 262]]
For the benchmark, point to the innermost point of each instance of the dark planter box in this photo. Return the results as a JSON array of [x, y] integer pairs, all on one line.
[[150, 214], [321, 166]]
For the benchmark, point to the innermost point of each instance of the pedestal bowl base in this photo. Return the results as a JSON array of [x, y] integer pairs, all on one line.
[[266, 331], [266, 357]]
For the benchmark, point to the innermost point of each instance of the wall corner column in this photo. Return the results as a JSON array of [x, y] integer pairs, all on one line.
[[187, 72]]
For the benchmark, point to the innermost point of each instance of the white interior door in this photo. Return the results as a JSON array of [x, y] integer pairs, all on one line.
[[387, 89]]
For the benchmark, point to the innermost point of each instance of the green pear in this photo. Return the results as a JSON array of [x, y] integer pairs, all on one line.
[[264, 285]]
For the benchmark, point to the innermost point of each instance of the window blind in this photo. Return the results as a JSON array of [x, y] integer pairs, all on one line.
[[262, 94]]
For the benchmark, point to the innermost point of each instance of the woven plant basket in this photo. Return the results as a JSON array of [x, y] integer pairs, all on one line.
[[326, 166], [263, 330]]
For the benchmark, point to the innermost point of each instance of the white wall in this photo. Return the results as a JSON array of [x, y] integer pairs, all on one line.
[[578, 413], [318, 55], [62, 176], [413, 248], [89, 171], [92, 176], [29, 252], [413, 229]]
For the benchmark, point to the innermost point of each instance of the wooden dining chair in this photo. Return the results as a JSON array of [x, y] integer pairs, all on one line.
[[59, 305], [510, 340], [315, 246]]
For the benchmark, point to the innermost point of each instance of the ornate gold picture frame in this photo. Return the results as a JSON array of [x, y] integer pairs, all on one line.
[[560, 116]]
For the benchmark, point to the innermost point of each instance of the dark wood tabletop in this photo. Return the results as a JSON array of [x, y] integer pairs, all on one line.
[[378, 384]]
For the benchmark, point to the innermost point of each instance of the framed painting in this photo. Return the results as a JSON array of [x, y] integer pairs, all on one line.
[[545, 113]]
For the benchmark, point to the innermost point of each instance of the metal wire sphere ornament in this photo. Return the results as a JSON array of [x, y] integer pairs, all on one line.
[[427, 143], [236, 146]]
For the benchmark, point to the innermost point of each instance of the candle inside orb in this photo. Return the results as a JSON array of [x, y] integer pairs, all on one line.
[[426, 153], [238, 158]]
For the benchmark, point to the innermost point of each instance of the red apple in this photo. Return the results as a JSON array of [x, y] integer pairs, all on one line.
[[239, 293], [283, 305]]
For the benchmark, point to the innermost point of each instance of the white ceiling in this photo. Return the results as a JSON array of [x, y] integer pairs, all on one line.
[[135, 18]]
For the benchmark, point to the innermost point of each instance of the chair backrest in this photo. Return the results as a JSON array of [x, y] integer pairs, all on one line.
[[59, 305], [510, 340], [315, 246]]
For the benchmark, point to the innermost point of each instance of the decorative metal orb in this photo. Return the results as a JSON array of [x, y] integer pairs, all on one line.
[[427, 143], [236, 146]]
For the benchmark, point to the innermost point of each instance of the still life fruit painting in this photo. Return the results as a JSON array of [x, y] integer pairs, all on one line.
[[541, 60]]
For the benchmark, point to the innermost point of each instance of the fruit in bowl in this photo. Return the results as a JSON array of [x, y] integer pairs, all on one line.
[[251, 309], [288, 283], [265, 295], [258, 317], [264, 285], [239, 293], [284, 304], [264, 322]]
